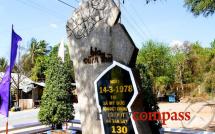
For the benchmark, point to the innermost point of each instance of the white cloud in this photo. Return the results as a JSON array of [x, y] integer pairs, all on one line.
[[176, 43], [179, 46], [53, 25]]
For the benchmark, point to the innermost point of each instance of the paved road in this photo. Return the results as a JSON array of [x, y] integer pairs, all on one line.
[[202, 115], [25, 117], [22, 117], [31, 116]]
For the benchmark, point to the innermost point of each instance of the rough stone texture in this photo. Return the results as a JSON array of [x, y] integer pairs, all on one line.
[[110, 38], [89, 14]]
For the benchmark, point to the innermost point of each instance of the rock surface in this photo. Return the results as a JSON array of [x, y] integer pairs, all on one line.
[[92, 51]]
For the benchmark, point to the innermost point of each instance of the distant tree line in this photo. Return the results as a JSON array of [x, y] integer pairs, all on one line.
[[186, 69]]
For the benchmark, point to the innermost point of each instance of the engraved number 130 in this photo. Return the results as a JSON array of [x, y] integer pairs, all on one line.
[[119, 129]]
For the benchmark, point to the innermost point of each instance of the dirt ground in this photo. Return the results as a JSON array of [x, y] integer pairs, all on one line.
[[202, 115]]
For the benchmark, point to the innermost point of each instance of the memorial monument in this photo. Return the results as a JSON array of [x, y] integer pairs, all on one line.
[[104, 56]]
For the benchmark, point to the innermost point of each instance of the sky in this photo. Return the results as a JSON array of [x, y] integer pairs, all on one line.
[[164, 21]]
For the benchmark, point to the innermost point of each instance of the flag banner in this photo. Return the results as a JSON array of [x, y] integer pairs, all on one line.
[[61, 50], [5, 82]]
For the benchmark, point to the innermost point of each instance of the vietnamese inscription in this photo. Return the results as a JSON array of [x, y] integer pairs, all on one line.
[[97, 56]]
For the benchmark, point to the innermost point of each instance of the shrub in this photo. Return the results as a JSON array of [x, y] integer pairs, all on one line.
[[56, 104]]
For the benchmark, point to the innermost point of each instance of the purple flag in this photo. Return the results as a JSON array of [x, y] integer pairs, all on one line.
[[5, 83]]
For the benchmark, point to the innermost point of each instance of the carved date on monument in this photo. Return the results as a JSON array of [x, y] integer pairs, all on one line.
[[97, 56], [116, 91]]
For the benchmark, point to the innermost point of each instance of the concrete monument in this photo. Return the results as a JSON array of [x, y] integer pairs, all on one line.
[[96, 39]]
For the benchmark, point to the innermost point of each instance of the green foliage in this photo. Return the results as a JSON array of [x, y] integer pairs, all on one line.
[[152, 63], [56, 106], [179, 61], [38, 71], [197, 7], [157, 59], [3, 64], [209, 82], [54, 51], [40, 66], [36, 49], [147, 1], [212, 44], [162, 82], [196, 61], [26, 63], [178, 68], [67, 59], [149, 99]]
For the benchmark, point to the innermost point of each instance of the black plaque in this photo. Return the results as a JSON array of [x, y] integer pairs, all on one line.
[[115, 91]]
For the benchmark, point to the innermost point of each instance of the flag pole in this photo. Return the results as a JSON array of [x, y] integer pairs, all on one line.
[[5, 83], [9, 84], [7, 126], [8, 108]]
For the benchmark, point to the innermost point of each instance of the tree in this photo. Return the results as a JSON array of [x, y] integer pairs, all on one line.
[[147, 1], [213, 44], [209, 82], [56, 106], [149, 99], [3, 64], [197, 60], [26, 63], [179, 61], [36, 49], [197, 7], [38, 71], [186, 69], [157, 59]]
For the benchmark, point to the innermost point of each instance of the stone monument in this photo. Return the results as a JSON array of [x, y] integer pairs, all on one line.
[[96, 40]]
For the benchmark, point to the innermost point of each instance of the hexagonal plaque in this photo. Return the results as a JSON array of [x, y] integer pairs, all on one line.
[[116, 90]]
